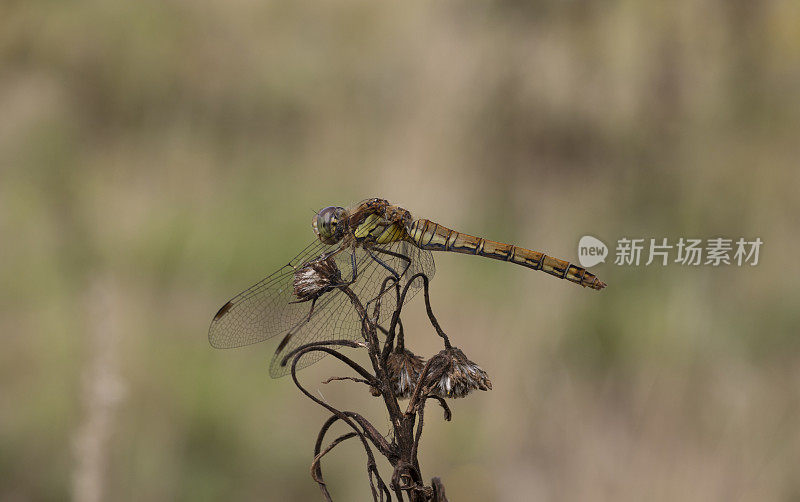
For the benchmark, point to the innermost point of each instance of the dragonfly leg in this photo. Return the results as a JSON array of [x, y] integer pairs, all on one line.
[[354, 266], [395, 275], [387, 267]]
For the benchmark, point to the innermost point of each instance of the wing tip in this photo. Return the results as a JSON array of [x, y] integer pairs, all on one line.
[[222, 311], [212, 339]]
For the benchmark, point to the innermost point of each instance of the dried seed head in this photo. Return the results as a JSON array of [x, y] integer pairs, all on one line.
[[451, 374], [404, 369], [316, 277]]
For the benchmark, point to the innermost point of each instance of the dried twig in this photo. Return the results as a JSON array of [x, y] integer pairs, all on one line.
[[395, 373]]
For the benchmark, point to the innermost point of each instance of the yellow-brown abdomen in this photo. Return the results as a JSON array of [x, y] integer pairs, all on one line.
[[430, 235]]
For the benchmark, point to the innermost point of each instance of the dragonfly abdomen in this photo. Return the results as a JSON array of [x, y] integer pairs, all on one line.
[[434, 237]]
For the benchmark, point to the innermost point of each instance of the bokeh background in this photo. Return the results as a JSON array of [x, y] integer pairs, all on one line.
[[157, 157]]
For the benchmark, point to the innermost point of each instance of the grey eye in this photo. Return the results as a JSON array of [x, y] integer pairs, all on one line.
[[326, 220], [327, 223]]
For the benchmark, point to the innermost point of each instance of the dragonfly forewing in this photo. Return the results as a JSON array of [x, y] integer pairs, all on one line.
[[265, 309], [335, 318], [270, 307]]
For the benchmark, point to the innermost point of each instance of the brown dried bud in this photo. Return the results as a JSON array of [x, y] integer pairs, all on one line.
[[451, 374], [315, 278], [404, 369]]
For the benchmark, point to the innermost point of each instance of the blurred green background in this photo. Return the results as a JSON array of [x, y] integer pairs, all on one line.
[[157, 157]]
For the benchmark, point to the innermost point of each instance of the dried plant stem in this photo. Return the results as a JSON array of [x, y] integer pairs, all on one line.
[[402, 452]]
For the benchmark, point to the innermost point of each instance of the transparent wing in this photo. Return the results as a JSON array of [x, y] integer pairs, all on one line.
[[263, 310], [335, 318]]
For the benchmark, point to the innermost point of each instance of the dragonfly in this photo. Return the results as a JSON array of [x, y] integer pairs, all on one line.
[[359, 247]]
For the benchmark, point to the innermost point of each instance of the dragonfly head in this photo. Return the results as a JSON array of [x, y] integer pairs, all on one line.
[[330, 224]]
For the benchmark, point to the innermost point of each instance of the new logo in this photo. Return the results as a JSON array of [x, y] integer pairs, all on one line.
[[591, 251]]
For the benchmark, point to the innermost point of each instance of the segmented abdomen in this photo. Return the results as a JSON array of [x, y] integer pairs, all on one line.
[[430, 235]]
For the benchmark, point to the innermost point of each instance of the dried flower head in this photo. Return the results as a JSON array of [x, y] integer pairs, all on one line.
[[404, 369], [315, 278], [451, 374]]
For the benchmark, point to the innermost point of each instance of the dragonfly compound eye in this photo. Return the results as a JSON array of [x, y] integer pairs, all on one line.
[[329, 224]]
